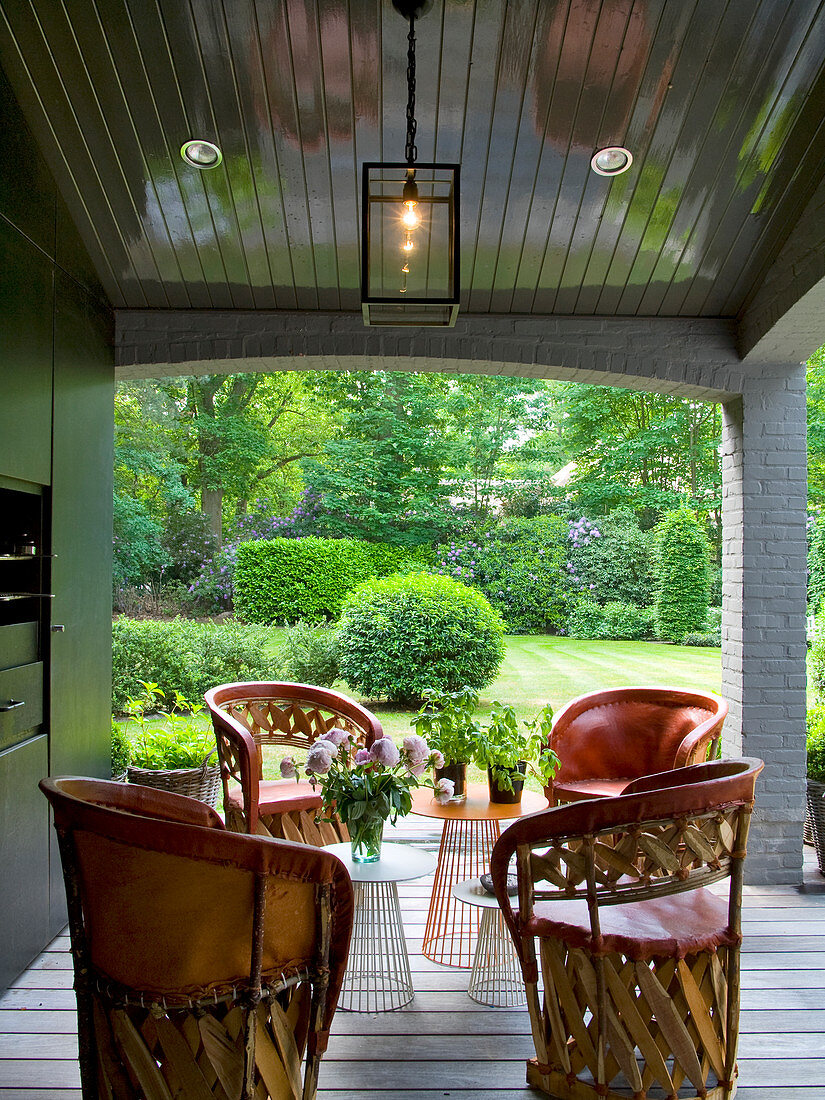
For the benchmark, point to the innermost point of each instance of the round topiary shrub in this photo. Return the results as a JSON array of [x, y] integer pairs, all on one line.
[[405, 633]]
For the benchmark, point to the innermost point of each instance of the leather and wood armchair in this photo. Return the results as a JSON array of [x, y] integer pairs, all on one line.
[[640, 960], [249, 719], [607, 738], [207, 964]]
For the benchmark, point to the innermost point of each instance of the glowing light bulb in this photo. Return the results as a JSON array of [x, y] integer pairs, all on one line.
[[411, 218], [406, 269], [408, 245]]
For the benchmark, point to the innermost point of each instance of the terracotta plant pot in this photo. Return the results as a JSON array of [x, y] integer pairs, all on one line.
[[504, 797], [458, 774]]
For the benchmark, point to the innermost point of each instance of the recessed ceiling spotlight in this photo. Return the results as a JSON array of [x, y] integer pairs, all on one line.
[[201, 154], [611, 161]]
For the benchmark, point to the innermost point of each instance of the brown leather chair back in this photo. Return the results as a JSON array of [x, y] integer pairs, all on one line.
[[167, 907], [626, 732], [249, 717]]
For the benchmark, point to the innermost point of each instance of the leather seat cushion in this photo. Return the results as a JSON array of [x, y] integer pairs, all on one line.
[[575, 791], [670, 927], [279, 796]]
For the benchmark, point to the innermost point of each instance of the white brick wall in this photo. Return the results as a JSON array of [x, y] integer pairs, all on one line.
[[763, 617]]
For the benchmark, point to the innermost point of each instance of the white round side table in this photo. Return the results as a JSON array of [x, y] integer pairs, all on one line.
[[378, 977], [495, 977]]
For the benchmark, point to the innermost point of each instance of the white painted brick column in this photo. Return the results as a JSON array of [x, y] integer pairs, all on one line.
[[764, 472]]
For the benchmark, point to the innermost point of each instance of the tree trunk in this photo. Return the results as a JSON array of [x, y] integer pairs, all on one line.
[[212, 508]]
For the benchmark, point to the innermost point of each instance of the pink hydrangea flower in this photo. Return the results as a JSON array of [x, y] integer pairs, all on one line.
[[288, 770], [444, 790], [416, 749], [319, 758], [438, 759], [385, 751], [362, 756]]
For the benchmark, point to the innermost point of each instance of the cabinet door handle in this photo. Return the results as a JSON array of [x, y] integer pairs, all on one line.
[[58, 629], [12, 704]]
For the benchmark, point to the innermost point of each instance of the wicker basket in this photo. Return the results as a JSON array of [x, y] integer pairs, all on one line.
[[816, 813], [202, 783]]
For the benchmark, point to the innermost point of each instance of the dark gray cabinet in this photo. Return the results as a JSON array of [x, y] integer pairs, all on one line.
[[56, 394]]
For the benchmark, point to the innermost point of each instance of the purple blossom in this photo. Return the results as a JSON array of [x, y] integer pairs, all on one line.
[[363, 756], [385, 751], [288, 769], [319, 758], [338, 737], [444, 790], [416, 749], [438, 759]]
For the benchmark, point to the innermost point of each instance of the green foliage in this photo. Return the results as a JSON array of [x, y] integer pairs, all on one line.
[[502, 745], [615, 621], [162, 738], [121, 750], [137, 554], [446, 723], [519, 566], [382, 476], [709, 640], [816, 664], [613, 559], [644, 450], [816, 566], [188, 543], [289, 579], [309, 653], [682, 601], [186, 657], [403, 634], [815, 743], [816, 430]]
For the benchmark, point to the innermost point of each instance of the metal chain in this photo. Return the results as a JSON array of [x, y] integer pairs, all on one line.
[[410, 150]]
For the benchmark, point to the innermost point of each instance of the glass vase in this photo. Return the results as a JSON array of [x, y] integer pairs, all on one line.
[[365, 839]]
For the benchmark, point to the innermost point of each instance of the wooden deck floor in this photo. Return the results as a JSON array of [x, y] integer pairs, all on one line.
[[445, 1045]]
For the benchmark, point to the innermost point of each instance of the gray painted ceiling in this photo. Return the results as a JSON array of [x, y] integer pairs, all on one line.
[[721, 104]]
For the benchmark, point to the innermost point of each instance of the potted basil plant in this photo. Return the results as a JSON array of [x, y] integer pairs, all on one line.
[[815, 742], [508, 751], [446, 723], [169, 747]]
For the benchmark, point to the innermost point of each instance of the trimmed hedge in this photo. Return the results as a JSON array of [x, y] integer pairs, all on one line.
[[283, 580], [615, 621], [185, 656], [401, 635]]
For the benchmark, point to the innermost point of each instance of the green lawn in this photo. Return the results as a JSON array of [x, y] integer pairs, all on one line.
[[539, 669]]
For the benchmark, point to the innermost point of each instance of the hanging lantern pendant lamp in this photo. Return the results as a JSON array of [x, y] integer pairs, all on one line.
[[409, 226]]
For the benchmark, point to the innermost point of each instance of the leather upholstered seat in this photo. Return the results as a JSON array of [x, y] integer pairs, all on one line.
[[639, 956], [605, 739], [207, 964], [251, 718]]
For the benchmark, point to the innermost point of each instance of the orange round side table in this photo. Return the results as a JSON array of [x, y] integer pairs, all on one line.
[[471, 829]]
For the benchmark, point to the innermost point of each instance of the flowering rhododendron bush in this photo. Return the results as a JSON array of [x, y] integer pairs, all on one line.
[[519, 565]]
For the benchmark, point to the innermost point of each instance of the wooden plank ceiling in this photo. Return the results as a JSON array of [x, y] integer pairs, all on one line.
[[721, 105]]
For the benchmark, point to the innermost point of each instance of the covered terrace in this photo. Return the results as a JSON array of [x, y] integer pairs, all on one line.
[[699, 270]]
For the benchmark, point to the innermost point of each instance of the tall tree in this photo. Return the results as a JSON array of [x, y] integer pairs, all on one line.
[[487, 415], [648, 450], [382, 476], [247, 433]]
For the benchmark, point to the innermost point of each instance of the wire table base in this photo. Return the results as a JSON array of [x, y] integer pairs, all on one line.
[[495, 978], [452, 928], [378, 977]]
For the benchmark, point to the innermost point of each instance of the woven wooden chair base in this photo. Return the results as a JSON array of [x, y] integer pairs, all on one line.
[[302, 827], [199, 1054], [668, 1031]]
